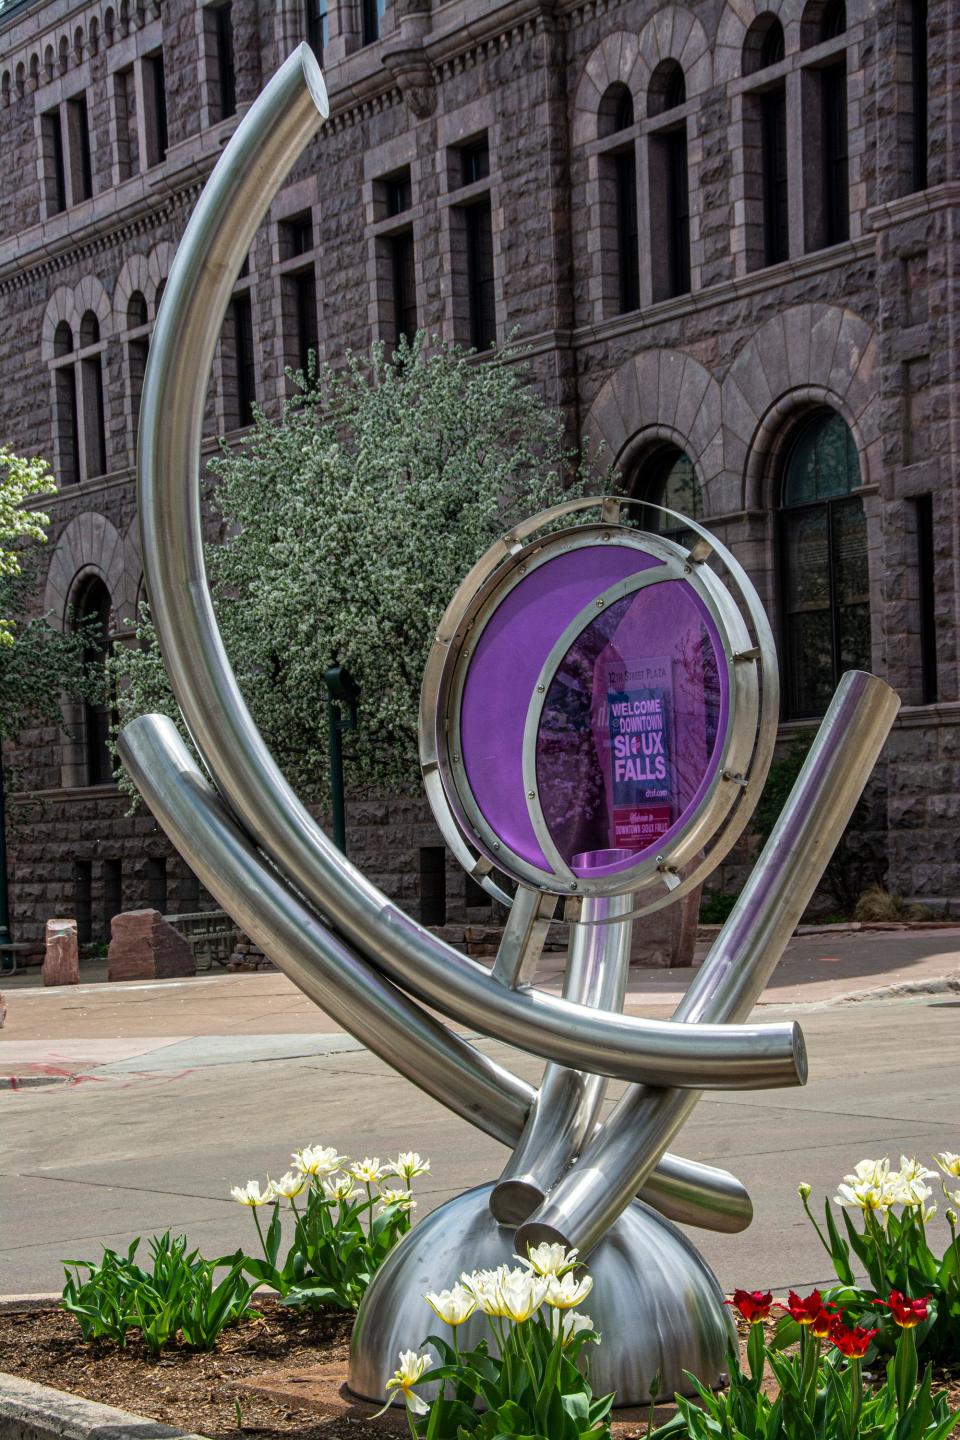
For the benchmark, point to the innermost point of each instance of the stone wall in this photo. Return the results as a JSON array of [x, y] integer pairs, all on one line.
[[867, 326]]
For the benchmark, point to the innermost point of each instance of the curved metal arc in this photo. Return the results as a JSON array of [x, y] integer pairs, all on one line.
[[236, 196], [447, 1067]]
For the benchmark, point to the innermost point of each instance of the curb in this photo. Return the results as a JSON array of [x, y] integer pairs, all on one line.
[[38, 1412], [943, 985], [31, 1082], [29, 1304]]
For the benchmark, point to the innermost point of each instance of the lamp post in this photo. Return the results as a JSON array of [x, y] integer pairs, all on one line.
[[342, 695]]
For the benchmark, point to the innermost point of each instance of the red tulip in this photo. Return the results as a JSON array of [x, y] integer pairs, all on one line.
[[822, 1323], [852, 1341], [805, 1309], [907, 1313], [753, 1305]]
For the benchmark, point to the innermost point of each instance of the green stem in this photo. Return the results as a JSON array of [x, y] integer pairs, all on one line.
[[856, 1396], [263, 1245], [810, 1216]]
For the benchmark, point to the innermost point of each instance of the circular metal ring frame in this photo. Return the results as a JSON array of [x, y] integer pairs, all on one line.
[[742, 753]]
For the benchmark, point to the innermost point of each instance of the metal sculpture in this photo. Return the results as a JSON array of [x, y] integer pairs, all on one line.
[[373, 969]]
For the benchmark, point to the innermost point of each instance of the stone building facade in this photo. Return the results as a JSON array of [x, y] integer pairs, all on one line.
[[727, 231]]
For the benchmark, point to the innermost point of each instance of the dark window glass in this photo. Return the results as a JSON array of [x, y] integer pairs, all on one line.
[[318, 26], [226, 73], [137, 354], [62, 339], [836, 209], [78, 121], [372, 14], [157, 883], [136, 310], [94, 601], [96, 440], [297, 236], [474, 162], [404, 285], [112, 893], [55, 168], [68, 408], [399, 193], [480, 286], [628, 242], [771, 48], [678, 211], [623, 119], [157, 99], [246, 373], [615, 111], [668, 88], [773, 119], [433, 885], [918, 88], [308, 336], [833, 22], [667, 478], [926, 588], [826, 597], [83, 899]]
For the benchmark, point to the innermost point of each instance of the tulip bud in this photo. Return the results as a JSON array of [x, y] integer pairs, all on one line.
[[803, 1190], [951, 1218]]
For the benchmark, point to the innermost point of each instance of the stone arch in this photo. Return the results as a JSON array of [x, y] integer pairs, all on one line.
[[662, 395], [90, 295], [736, 19], [811, 354], [615, 61], [89, 545], [159, 261], [134, 275], [675, 33], [61, 306]]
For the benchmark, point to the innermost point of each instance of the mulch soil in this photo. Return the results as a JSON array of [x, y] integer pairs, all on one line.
[[284, 1370]]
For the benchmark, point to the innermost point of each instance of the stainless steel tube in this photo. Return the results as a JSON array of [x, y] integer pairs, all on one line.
[[568, 1102], [350, 990], [621, 1155], [266, 143]]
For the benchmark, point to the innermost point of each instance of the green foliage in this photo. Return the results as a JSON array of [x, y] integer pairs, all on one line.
[[19, 480], [817, 1396], [179, 1295], [896, 1253], [40, 664], [350, 521], [855, 863], [716, 905]]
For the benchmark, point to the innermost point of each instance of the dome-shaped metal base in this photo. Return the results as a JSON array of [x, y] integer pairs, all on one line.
[[655, 1302]]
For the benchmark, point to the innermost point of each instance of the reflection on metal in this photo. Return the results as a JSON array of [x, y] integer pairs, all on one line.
[[264, 858]]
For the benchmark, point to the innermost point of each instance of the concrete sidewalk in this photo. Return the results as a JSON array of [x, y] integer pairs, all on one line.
[[67, 1031]]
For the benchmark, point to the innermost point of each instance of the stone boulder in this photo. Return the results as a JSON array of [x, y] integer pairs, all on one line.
[[143, 946], [61, 960]]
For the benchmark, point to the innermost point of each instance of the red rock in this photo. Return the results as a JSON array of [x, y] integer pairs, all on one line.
[[61, 961], [143, 946]]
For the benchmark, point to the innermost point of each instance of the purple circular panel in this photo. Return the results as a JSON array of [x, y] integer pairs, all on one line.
[[632, 728], [503, 674]]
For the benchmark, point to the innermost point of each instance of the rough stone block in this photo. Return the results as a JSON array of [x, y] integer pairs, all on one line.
[[143, 946], [61, 961]]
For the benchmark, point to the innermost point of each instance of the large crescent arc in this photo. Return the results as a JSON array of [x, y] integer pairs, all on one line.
[[262, 150]]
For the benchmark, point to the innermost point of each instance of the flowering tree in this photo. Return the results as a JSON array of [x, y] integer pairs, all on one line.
[[349, 521]]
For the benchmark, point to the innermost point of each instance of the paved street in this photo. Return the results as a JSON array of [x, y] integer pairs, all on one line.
[[181, 1090]]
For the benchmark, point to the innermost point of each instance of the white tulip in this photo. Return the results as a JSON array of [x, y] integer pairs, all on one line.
[[408, 1165], [411, 1367], [340, 1189], [249, 1194], [547, 1259], [453, 1306], [949, 1163], [871, 1172], [403, 1198], [865, 1195], [565, 1291], [521, 1294], [369, 1172], [318, 1160], [569, 1323], [288, 1186]]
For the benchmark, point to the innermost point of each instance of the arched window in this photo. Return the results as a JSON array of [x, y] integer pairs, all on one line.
[[669, 183], [666, 476], [833, 21], [318, 26], [91, 397], [615, 115], [138, 349], [66, 417], [825, 577], [93, 601], [763, 45]]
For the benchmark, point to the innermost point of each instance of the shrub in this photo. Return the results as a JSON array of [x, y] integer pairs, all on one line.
[[178, 1296]]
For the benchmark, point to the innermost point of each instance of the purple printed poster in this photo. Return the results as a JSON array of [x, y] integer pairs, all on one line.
[[640, 706]]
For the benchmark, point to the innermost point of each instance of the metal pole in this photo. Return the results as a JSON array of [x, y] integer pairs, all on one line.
[[620, 1156]]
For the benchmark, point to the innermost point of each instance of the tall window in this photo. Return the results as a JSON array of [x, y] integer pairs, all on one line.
[[824, 120], [78, 413], [765, 129], [54, 166], [78, 135], [836, 206], [239, 349], [666, 477], [155, 105], [91, 393], [66, 406], [125, 104], [138, 349], [823, 535], [298, 290], [219, 24], [370, 18], [917, 21], [93, 602], [773, 123], [472, 236], [669, 185], [318, 26]]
